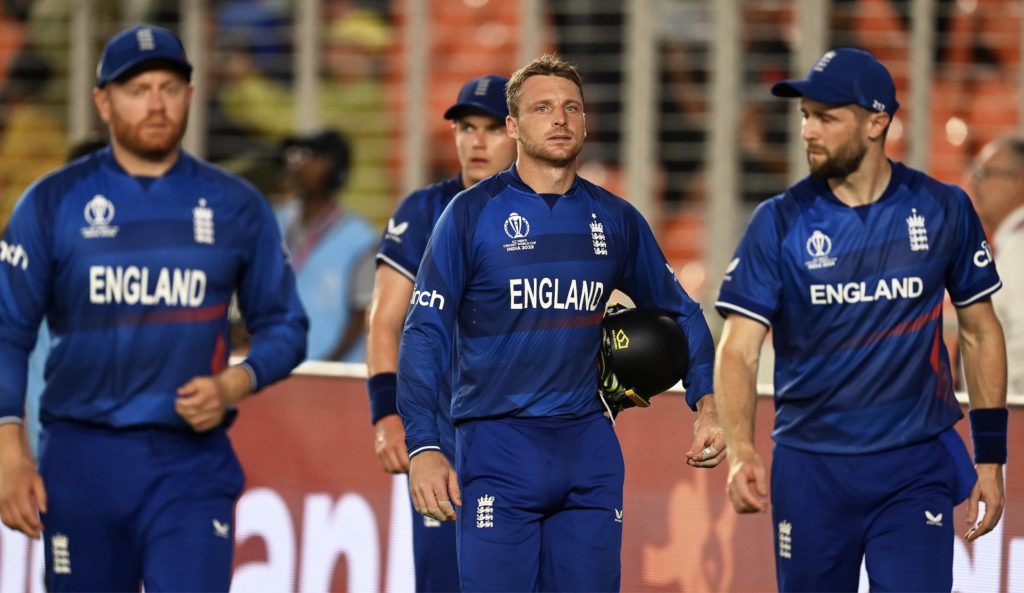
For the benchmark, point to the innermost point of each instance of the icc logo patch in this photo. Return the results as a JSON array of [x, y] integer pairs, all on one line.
[[99, 213], [818, 246], [517, 228]]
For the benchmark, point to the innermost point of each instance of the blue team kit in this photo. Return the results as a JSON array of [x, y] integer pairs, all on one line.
[[526, 330], [854, 299], [134, 277], [401, 248]]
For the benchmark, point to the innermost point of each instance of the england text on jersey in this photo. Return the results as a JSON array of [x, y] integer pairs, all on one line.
[[858, 292], [131, 285], [547, 293]]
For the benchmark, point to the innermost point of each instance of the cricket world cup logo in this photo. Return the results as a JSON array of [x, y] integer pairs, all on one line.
[[516, 227], [819, 245]]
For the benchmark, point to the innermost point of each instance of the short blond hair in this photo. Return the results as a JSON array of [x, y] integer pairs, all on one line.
[[546, 65]]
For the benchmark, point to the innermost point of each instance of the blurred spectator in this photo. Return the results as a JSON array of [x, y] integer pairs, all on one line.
[[332, 250], [683, 27], [997, 186], [351, 99], [32, 138]]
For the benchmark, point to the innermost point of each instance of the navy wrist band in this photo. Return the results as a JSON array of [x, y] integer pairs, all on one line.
[[988, 431], [383, 388]]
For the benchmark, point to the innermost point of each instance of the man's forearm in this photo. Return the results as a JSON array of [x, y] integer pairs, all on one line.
[[736, 400]]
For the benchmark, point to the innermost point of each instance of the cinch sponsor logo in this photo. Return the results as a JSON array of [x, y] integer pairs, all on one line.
[[432, 299], [14, 255], [130, 285], [549, 293], [859, 292]]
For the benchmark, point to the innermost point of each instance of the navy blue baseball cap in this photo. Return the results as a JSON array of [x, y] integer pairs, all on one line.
[[140, 44], [486, 93], [844, 76]]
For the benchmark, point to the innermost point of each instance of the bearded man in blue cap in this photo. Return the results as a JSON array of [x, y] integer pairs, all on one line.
[[849, 268], [132, 255]]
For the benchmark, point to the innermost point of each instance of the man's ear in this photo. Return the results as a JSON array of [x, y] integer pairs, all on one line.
[[512, 127], [877, 124], [101, 98]]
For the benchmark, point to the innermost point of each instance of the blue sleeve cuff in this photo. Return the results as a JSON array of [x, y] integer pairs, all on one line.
[[383, 388], [424, 449]]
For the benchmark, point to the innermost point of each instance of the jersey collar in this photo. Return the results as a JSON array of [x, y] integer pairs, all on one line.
[[899, 171], [517, 182]]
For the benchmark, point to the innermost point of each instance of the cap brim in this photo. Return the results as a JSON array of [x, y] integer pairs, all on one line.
[[459, 109], [812, 90], [146, 63]]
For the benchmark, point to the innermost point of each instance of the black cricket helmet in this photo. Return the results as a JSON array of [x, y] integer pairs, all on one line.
[[646, 349]]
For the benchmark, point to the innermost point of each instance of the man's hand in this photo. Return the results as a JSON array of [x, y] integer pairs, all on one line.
[[22, 493], [747, 485], [989, 488], [708, 449], [434, 486], [389, 444], [203, 401]]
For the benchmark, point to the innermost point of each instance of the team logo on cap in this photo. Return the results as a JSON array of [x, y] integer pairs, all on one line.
[[481, 87], [99, 213], [818, 246], [824, 61], [145, 39]]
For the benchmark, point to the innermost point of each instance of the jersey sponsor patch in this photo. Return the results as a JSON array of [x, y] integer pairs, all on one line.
[[983, 256], [423, 298], [14, 255], [395, 231]]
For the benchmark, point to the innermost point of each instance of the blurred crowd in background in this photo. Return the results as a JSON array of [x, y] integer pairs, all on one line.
[[250, 92]]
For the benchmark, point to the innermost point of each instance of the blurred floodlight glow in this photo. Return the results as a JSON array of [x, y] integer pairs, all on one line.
[[956, 131]]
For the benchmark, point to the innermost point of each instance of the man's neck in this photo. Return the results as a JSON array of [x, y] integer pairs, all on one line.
[[865, 185], [137, 166], [545, 177], [314, 208]]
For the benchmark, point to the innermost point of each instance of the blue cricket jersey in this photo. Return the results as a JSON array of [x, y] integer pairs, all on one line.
[[134, 277], [517, 283], [402, 248], [854, 300]]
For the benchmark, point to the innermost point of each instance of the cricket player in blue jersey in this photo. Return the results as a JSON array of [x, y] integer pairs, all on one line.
[[131, 254], [514, 281], [484, 148], [848, 268]]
